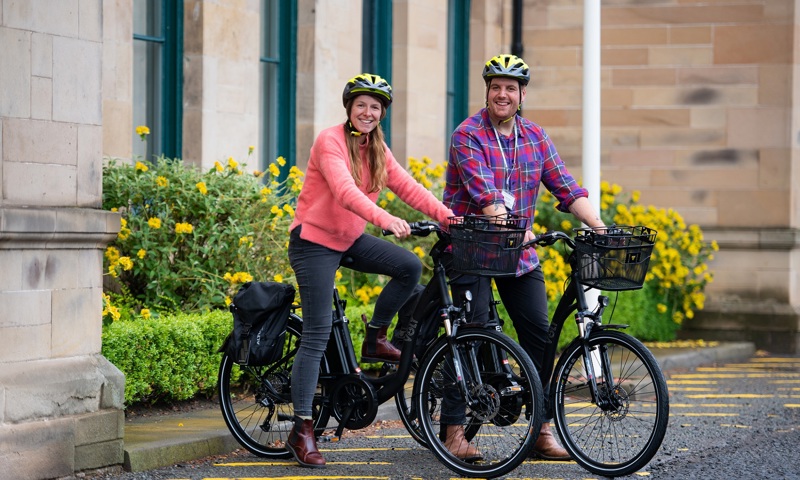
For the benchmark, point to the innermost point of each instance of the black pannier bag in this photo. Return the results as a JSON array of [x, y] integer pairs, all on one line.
[[260, 315]]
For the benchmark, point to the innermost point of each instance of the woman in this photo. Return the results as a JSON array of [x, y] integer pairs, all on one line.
[[349, 165]]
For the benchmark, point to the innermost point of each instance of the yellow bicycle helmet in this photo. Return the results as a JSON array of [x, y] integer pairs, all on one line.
[[510, 66], [367, 83]]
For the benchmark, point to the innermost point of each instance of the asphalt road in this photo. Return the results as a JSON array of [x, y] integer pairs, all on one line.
[[732, 421]]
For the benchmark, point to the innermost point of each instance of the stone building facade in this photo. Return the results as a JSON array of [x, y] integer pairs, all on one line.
[[698, 113]]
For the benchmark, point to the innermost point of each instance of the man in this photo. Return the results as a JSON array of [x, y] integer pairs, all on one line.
[[498, 160]]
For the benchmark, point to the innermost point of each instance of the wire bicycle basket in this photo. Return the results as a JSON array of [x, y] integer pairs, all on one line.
[[487, 245], [615, 260]]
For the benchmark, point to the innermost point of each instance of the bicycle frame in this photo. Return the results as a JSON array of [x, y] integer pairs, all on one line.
[[340, 353]]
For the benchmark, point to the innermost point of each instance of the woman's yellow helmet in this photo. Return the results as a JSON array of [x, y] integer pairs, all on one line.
[[369, 84]]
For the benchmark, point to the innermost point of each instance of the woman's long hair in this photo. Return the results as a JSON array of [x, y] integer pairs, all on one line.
[[376, 155]]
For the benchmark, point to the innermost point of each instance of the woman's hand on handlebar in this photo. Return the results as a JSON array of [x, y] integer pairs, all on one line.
[[399, 228]]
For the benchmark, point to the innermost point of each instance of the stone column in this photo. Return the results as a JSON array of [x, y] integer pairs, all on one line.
[[60, 401]]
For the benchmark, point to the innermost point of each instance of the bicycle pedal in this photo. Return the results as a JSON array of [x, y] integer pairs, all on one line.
[[328, 438]]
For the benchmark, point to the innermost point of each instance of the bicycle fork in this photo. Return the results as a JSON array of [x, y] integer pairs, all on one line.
[[597, 366]]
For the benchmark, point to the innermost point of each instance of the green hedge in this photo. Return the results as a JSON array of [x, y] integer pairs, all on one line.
[[168, 358], [175, 357]]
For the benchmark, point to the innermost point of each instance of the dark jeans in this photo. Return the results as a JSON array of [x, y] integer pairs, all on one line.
[[525, 299], [315, 268]]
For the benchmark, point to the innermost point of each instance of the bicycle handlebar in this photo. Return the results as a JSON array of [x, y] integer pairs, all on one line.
[[419, 229], [548, 238]]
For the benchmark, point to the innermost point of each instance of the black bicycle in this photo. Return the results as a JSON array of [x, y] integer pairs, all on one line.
[[482, 371], [609, 396]]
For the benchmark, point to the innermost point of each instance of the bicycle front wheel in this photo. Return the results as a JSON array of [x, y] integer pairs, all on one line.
[[407, 411], [256, 402], [500, 413], [619, 432]]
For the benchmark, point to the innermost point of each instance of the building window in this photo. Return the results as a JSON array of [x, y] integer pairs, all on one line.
[[278, 82], [376, 47], [158, 77], [457, 64]]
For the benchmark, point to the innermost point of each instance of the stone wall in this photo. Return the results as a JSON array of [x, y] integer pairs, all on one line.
[[699, 114], [60, 401]]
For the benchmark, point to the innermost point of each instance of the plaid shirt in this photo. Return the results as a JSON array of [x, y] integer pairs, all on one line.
[[476, 173]]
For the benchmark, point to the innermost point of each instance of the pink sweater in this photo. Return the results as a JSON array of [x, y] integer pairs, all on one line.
[[334, 211]]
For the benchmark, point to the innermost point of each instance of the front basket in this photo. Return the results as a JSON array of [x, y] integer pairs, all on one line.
[[487, 245], [616, 259]]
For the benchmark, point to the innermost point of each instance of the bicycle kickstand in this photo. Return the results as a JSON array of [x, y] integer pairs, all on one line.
[[339, 429]]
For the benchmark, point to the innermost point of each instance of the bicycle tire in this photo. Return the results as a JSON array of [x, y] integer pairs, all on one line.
[[407, 411], [624, 436], [505, 424], [256, 402]]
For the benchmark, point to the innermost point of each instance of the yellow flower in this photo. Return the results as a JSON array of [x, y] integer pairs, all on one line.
[[232, 163], [201, 186], [661, 308], [288, 209], [112, 254], [145, 313], [141, 167], [274, 170], [183, 227], [278, 278], [142, 131], [162, 181], [250, 149], [419, 251], [242, 277], [390, 196], [154, 223], [125, 263], [258, 173], [124, 233], [281, 161], [227, 301], [141, 253], [218, 167]]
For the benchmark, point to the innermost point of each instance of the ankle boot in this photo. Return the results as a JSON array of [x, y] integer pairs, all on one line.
[[377, 348], [546, 446], [457, 444], [302, 444]]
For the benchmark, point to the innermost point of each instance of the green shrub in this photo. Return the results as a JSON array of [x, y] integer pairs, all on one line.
[[169, 358], [190, 238]]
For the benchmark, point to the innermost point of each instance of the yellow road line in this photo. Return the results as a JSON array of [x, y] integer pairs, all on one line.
[[691, 414], [732, 395], [690, 382], [732, 375]]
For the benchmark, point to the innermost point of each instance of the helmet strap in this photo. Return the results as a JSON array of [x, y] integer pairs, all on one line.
[[352, 129]]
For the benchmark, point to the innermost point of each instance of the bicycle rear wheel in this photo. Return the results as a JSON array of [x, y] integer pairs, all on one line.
[[620, 433], [256, 402], [503, 411]]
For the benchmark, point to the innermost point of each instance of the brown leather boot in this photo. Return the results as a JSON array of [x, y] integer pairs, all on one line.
[[377, 348], [302, 444], [547, 447], [458, 445]]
